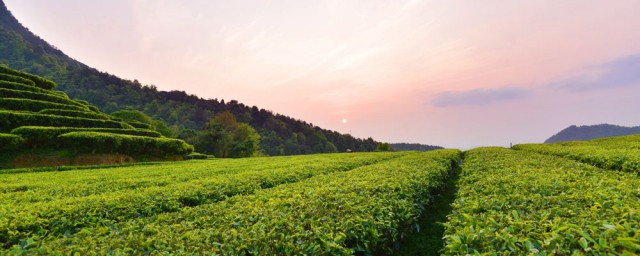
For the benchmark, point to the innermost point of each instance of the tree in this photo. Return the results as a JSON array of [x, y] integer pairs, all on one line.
[[224, 137], [383, 147]]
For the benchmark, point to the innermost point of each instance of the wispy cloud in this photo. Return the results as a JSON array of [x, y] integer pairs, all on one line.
[[478, 97], [617, 73]]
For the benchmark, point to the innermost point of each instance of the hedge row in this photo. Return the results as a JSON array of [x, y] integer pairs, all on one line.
[[364, 211], [35, 105], [11, 93], [39, 81], [623, 159], [10, 141], [140, 125], [68, 202], [42, 136], [99, 142], [10, 120], [523, 203], [94, 109], [22, 87], [91, 107], [16, 79], [75, 113]]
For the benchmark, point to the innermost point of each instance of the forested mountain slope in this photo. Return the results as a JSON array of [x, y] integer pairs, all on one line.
[[588, 132], [280, 135]]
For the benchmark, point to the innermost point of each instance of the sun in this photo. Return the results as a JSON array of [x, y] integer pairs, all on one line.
[[344, 120]]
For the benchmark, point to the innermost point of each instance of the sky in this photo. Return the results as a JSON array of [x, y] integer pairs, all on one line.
[[453, 73]]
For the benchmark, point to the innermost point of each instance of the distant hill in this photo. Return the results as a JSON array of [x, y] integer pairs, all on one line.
[[184, 113], [413, 146], [588, 132]]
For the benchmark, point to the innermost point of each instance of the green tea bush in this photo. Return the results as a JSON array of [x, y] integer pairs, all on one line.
[[43, 136], [49, 97], [617, 156], [513, 202], [16, 79], [91, 107], [23, 87], [363, 211], [140, 125], [10, 141], [64, 203], [75, 113], [10, 120], [35, 105], [195, 155], [100, 142], [39, 81]]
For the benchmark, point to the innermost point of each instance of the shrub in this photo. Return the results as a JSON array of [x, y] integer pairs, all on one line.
[[75, 113], [10, 141], [35, 105], [16, 79], [91, 107], [94, 109], [195, 155], [140, 125], [10, 93], [47, 136], [98, 142], [39, 81], [22, 87], [10, 120]]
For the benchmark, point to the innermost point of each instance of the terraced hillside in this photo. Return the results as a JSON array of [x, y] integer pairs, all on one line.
[[35, 118]]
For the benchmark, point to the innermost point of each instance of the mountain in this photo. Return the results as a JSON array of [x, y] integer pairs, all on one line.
[[185, 114], [413, 146], [588, 132]]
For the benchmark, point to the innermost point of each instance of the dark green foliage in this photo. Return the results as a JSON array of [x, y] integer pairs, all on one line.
[[588, 132], [383, 147], [35, 105], [39, 81], [98, 142], [413, 147], [16, 79], [94, 109], [10, 93], [10, 120], [225, 137], [46, 136], [10, 141], [196, 155], [83, 102], [75, 113], [132, 116]]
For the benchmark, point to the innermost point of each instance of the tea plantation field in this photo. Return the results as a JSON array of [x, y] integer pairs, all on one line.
[[577, 198]]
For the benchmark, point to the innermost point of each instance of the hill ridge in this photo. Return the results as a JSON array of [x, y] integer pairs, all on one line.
[[587, 132], [185, 113]]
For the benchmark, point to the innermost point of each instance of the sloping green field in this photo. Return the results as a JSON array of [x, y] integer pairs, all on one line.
[[529, 201]]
